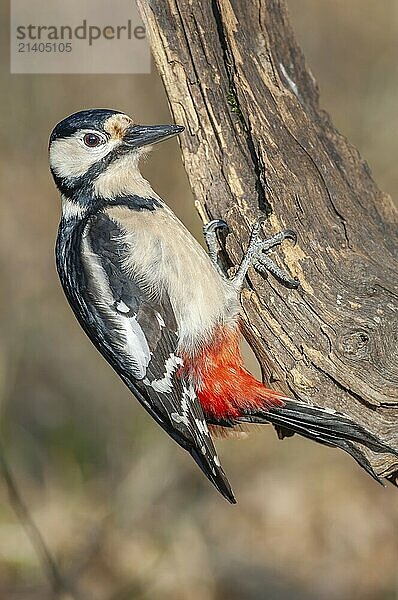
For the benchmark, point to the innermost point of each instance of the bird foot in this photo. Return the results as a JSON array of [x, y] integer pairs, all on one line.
[[256, 255]]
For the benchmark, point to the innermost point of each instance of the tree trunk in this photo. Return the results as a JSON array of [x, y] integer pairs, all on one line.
[[256, 144]]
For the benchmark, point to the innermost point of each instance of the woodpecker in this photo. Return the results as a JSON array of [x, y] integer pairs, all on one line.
[[161, 310]]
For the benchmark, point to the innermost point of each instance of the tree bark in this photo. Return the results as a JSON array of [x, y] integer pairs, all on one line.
[[257, 143]]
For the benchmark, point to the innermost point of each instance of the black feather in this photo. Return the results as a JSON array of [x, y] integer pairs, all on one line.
[[327, 427]]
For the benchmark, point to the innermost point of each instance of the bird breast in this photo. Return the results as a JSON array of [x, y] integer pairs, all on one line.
[[165, 257]]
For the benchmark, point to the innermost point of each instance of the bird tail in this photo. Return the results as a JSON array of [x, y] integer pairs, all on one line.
[[230, 396], [322, 425]]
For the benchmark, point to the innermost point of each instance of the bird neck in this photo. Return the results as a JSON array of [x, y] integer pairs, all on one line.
[[120, 183], [123, 178]]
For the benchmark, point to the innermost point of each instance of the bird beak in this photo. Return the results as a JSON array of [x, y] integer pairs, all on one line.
[[138, 136]]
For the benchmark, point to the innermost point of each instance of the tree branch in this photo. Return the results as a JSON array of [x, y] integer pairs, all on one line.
[[257, 143]]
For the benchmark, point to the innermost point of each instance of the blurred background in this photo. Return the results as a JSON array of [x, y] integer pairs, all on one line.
[[124, 510]]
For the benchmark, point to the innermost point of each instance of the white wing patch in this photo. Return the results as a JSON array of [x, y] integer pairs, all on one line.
[[136, 345], [160, 320], [132, 342], [165, 385], [202, 426], [122, 307], [180, 418], [187, 397]]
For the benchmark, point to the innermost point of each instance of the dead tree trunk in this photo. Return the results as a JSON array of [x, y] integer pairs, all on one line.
[[257, 143]]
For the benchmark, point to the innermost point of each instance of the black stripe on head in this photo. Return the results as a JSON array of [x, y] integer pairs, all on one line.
[[76, 188], [85, 119]]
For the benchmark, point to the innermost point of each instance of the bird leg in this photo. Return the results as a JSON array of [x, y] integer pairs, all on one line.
[[256, 254]]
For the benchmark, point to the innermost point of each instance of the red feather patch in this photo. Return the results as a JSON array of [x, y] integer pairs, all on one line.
[[224, 387]]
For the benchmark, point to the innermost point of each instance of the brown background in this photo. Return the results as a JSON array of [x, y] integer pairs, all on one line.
[[118, 503]]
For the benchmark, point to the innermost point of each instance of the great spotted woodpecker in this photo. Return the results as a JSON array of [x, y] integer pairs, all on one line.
[[158, 307]]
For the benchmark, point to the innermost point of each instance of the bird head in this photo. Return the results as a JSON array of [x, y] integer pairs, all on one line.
[[95, 154]]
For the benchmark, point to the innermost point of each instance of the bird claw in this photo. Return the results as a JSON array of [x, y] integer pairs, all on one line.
[[265, 265], [289, 234], [212, 226], [210, 235], [256, 254], [270, 243]]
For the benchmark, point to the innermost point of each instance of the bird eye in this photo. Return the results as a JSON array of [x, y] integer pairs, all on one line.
[[92, 140]]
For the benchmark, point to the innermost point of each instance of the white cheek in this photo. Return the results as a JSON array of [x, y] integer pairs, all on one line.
[[69, 157]]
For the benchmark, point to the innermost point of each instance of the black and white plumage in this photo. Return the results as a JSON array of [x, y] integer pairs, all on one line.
[[133, 325], [157, 306]]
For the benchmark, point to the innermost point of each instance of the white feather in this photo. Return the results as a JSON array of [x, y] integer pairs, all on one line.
[[71, 210], [165, 385], [70, 157], [122, 307], [136, 345]]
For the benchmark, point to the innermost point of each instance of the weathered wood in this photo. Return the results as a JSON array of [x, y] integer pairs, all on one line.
[[257, 143]]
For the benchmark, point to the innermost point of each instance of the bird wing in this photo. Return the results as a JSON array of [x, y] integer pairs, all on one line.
[[137, 334]]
